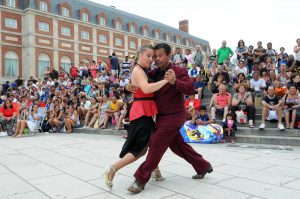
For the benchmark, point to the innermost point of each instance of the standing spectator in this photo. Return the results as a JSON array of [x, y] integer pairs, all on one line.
[[243, 101], [93, 69], [114, 61], [283, 57], [271, 103], [198, 56], [272, 53], [74, 71], [220, 103], [125, 66], [291, 102], [178, 58], [189, 57], [241, 50], [259, 53], [53, 73], [224, 53], [213, 56], [297, 51], [250, 59]]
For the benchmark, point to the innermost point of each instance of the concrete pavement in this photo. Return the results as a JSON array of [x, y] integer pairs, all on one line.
[[70, 166]]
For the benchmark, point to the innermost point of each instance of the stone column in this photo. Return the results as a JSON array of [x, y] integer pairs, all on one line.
[[111, 42], [95, 37], [56, 61], [126, 44], [76, 46]]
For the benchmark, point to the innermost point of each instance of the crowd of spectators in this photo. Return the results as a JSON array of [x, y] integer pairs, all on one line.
[[93, 95]]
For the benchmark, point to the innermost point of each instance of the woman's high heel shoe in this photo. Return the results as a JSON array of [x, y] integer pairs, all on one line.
[[156, 177], [107, 181]]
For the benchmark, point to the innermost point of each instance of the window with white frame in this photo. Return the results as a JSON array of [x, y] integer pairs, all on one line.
[[65, 63], [85, 17], [187, 42], [43, 6], [11, 64], [102, 21], [132, 29], [118, 25], [132, 45], [65, 31], [44, 26], [65, 12], [118, 42], [11, 23], [102, 38], [168, 39], [145, 32], [178, 40], [85, 35], [43, 63], [11, 3], [157, 35]]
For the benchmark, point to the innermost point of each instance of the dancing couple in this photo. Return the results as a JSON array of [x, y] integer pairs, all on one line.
[[156, 92]]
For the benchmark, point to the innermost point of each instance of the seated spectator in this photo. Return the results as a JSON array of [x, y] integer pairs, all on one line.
[[202, 118], [295, 80], [291, 102], [242, 100], [241, 79], [241, 68], [92, 114], [292, 64], [266, 76], [56, 120], [113, 112], [85, 106], [222, 71], [283, 77], [229, 128], [199, 85], [191, 105], [270, 66], [122, 117], [8, 115], [220, 103], [104, 78], [34, 118], [257, 85], [216, 84], [280, 91], [194, 71], [71, 118], [272, 109], [103, 107]]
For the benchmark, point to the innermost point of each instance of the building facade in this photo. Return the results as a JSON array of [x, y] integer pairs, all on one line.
[[35, 34]]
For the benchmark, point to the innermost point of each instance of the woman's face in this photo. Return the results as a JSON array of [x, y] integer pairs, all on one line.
[[241, 77], [242, 89], [269, 60], [146, 58], [283, 69], [56, 108], [104, 98], [35, 108], [93, 100], [293, 90], [8, 104]]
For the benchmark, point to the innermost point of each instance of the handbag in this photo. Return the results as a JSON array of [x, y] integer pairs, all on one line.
[[241, 117]]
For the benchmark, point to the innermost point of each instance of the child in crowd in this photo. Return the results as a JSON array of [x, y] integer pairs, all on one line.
[[229, 128], [202, 118]]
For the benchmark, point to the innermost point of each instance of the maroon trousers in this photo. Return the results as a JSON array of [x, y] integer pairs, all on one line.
[[162, 138]]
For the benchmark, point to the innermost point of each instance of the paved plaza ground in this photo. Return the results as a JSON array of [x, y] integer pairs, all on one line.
[[70, 166]]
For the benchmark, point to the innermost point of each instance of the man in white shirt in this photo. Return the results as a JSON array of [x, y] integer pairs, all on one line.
[[103, 78], [85, 105], [50, 82], [257, 84], [241, 68]]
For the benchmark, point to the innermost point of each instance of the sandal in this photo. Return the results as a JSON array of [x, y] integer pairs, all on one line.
[[107, 181]]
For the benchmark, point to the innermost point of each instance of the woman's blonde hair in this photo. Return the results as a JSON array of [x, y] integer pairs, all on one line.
[[142, 49]]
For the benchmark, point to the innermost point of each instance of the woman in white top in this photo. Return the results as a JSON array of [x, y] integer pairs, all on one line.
[[297, 50]]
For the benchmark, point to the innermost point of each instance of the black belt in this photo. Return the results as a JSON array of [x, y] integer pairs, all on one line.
[[143, 98]]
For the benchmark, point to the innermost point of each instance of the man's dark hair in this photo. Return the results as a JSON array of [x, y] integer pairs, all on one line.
[[203, 108], [113, 54], [83, 97], [164, 46]]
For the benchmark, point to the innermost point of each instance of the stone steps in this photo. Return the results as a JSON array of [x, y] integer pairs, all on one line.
[[273, 140]]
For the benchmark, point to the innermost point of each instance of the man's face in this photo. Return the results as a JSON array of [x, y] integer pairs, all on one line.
[[214, 51], [255, 76], [271, 91], [241, 64], [223, 44], [161, 58], [269, 46]]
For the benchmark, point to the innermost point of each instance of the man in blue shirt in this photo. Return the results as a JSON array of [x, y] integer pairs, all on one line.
[[114, 61]]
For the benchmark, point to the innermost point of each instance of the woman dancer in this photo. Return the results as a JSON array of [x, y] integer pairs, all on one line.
[[141, 114]]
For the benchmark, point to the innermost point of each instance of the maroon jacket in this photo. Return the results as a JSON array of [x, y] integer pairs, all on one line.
[[170, 98]]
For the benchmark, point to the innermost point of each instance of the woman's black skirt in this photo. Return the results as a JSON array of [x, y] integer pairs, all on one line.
[[139, 133]]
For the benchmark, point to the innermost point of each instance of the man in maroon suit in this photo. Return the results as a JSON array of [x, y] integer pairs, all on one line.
[[171, 117]]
